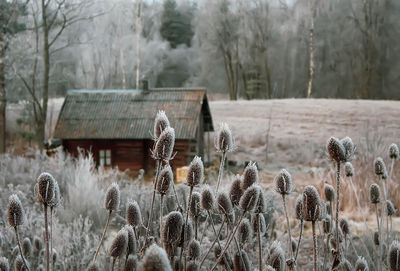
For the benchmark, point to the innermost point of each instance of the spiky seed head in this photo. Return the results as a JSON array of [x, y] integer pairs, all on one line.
[[258, 223], [133, 214], [93, 267], [261, 203], [276, 257], [326, 224], [172, 228], [241, 261], [322, 209], [375, 193], [348, 169], [394, 256], [19, 264], [250, 198], [195, 174], [188, 232], [192, 266], [224, 139], [54, 255], [329, 192], [155, 259], [45, 188], [224, 205], [283, 182], [15, 251], [349, 147], [344, 225], [164, 145], [244, 231], [161, 122], [4, 265], [230, 218], [119, 244], [236, 192], [376, 238], [131, 263], [131, 245], [194, 250], [311, 203], [380, 167], [15, 211], [194, 207], [112, 199], [346, 265], [390, 210], [26, 247], [361, 264], [336, 150], [250, 175], [55, 201], [207, 199], [165, 178], [37, 243], [394, 152], [299, 207]]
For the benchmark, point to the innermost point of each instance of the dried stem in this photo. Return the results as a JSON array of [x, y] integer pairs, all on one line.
[[113, 264], [259, 243], [289, 234], [46, 239], [215, 240], [161, 214], [19, 247], [221, 170], [51, 236], [314, 245], [301, 234], [384, 205], [102, 236], [184, 228], [152, 201], [358, 203], [337, 206]]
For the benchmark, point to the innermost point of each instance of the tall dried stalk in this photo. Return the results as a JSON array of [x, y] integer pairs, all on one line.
[[102, 236]]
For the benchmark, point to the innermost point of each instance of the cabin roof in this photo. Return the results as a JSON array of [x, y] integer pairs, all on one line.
[[130, 114]]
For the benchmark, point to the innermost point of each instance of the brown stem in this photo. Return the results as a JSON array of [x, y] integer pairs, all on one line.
[[337, 206], [112, 264], [161, 214], [51, 236], [184, 228], [46, 239], [19, 247], [221, 170], [102, 236], [215, 240], [152, 202], [288, 225], [315, 245], [301, 234], [259, 243]]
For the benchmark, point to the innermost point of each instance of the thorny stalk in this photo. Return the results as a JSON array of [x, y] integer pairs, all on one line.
[[19, 247], [102, 236]]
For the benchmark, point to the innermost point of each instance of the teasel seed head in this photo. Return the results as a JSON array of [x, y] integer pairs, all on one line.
[[250, 175], [15, 211], [380, 167], [250, 198], [155, 259], [119, 244], [4, 265], [194, 207], [207, 199], [19, 264], [192, 266], [188, 234], [45, 188], [348, 169], [329, 192], [195, 174], [55, 201], [361, 264], [276, 257], [15, 251], [165, 178], [344, 225], [236, 192], [394, 152], [112, 199], [376, 238], [375, 193], [349, 147], [390, 210], [326, 224], [394, 256], [26, 247], [336, 150], [164, 145], [133, 214], [54, 255], [283, 182], [258, 222], [311, 203], [161, 122], [224, 139], [224, 205], [172, 228], [194, 250], [241, 261], [299, 207], [244, 232], [261, 203], [131, 244], [131, 263], [93, 267]]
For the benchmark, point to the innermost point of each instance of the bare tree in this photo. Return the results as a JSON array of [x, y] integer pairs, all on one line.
[[313, 7]]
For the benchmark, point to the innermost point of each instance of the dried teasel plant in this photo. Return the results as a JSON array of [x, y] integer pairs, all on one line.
[[224, 143], [155, 259], [118, 246]]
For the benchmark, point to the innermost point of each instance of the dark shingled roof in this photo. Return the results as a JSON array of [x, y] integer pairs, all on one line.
[[129, 114]]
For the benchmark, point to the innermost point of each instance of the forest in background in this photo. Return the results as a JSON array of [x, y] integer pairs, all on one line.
[[239, 48]]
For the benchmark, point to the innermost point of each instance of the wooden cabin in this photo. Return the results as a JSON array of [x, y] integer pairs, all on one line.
[[116, 126]]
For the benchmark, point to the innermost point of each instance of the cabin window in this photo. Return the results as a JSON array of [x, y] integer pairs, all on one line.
[[105, 157]]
